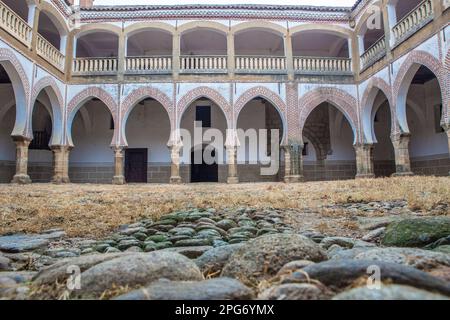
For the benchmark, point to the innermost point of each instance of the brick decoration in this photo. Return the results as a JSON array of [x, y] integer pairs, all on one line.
[[293, 114], [429, 61], [94, 92], [146, 92], [265, 93], [9, 56], [338, 98], [383, 86], [205, 92]]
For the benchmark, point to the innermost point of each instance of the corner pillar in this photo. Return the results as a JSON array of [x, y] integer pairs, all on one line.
[[293, 158], [21, 176], [119, 177], [60, 164], [364, 161], [447, 130], [401, 148]]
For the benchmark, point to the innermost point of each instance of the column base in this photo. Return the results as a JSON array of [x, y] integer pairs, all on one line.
[[60, 180], [232, 180], [293, 179], [21, 179], [365, 176], [175, 180], [118, 180], [403, 174]]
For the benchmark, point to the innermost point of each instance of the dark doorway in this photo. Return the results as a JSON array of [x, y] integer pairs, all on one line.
[[136, 165], [204, 172]]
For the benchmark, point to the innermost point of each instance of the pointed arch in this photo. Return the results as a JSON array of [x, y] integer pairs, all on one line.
[[205, 92], [81, 98], [375, 85], [342, 100], [49, 85], [267, 94], [21, 87], [138, 95], [406, 74]]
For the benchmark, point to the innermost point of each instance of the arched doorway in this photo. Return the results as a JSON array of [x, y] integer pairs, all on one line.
[[92, 131], [147, 158], [328, 152], [258, 116], [205, 124]]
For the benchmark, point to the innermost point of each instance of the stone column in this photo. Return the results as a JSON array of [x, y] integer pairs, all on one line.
[[231, 60], [60, 164], [119, 177], [364, 161], [21, 176], [176, 51], [289, 56], [293, 158], [175, 177], [401, 148], [232, 165]]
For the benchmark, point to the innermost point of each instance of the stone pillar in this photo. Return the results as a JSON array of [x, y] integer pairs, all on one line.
[[21, 176], [231, 62], [119, 177], [176, 52], [289, 56], [60, 164], [232, 165], [121, 56], [293, 158], [401, 148], [175, 177], [364, 161]]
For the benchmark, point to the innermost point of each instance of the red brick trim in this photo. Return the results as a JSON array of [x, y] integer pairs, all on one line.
[[346, 103], [206, 92], [89, 93]]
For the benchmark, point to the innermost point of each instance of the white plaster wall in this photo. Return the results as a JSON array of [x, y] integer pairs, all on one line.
[[148, 126], [218, 121], [425, 141], [341, 137], [252, 116], [92, 144]]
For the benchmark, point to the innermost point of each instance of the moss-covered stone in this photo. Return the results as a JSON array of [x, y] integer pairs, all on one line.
[[416, 232]]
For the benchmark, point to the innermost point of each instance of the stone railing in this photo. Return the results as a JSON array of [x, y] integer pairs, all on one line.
[[416, 19], [374, 53], [318, 65], [260, 64], [95, 66], [47, 51], [148, 65], [12, 23], [203, 64]]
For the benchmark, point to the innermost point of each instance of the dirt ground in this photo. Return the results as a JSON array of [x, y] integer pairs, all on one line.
[[92, 211]]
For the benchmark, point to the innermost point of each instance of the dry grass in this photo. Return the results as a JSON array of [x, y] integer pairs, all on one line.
[[95, 210]]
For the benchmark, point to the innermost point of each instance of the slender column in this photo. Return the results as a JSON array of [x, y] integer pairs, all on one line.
[[31, 11], [392, 19], [176, 55], [175, 177], [289, 56], [232, 165], [119, 177], [293, 158], [60, 164], [35, 26], [121, 56], [401, 148], [364, 161], [231, 57], [21, 176]]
